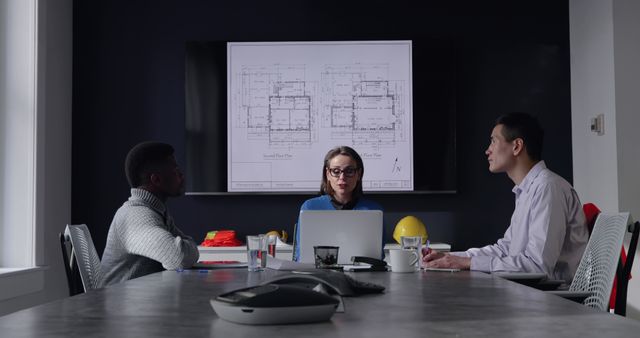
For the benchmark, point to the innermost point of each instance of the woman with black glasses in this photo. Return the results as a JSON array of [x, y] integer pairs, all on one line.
[[341, 187]]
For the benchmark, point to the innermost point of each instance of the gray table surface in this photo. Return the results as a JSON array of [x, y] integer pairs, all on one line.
[[176, 304]]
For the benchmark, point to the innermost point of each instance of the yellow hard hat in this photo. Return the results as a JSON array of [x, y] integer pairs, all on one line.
[[282, 234], [410, 226]]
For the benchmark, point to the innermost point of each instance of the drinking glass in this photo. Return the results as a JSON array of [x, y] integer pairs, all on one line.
[[272, 240], [256, 252]]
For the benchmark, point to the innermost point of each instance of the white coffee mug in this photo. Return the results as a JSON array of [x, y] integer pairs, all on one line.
[[403, 260]]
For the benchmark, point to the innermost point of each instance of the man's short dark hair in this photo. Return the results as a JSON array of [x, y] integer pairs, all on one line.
[[144, 159], [525, 127]]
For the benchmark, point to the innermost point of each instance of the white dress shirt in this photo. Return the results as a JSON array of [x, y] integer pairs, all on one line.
[[547, 234]]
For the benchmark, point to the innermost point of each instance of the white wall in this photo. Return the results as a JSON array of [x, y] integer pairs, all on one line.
[[53, 174], [626, 29], [605, 79], [595, 158], [17, 114], [626, 32]]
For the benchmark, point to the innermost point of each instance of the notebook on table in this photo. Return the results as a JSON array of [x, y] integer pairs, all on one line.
[[356, 232]]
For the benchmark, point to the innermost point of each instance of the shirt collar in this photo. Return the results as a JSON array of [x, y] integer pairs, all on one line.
[[347, 206], [149, 198], [529, 178]]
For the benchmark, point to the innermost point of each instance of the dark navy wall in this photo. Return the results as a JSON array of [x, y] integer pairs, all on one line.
[[129, 87]]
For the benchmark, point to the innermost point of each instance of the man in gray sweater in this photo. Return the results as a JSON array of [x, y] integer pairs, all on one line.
[[143, 238]]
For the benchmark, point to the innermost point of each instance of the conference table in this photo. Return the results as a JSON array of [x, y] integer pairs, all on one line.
[[421, 304]]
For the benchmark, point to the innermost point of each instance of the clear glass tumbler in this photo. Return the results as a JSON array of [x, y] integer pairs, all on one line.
[[256, 252]]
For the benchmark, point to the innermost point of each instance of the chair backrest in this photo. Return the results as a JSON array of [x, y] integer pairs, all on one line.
[[86, 256], [599, 262], [74, 281], [624, 271]]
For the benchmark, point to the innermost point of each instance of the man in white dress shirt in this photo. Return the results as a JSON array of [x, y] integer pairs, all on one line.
[[548, 232]]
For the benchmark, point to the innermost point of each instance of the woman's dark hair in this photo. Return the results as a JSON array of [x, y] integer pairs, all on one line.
[[526, 127], [325, 187], [144, 159]]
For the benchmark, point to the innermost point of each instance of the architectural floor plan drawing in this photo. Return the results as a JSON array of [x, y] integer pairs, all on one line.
[[289, 103], [275, 105], [361, 106]]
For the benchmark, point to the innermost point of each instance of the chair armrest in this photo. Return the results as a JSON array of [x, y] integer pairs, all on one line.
[[576, 296], [550, 284], [524, 278], [535, 280]]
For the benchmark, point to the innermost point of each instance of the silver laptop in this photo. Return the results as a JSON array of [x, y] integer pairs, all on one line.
[[356, 232]]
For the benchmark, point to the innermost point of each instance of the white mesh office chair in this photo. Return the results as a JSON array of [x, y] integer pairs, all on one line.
[[594, 278], [86, 256]]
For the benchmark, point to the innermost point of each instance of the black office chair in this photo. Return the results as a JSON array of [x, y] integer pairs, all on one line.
[[74, 280]]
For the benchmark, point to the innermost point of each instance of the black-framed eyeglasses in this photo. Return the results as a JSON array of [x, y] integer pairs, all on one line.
[[348, 171]]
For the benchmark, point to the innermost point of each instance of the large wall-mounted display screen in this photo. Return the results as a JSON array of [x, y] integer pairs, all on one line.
[[260, 116]]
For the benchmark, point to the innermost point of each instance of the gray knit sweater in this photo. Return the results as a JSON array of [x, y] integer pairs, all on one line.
[[143, 239]]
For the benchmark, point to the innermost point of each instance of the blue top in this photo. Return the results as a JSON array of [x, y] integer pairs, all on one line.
[[324, 203]]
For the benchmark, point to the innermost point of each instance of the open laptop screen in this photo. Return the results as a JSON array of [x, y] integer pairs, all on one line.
[[356, 232]]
